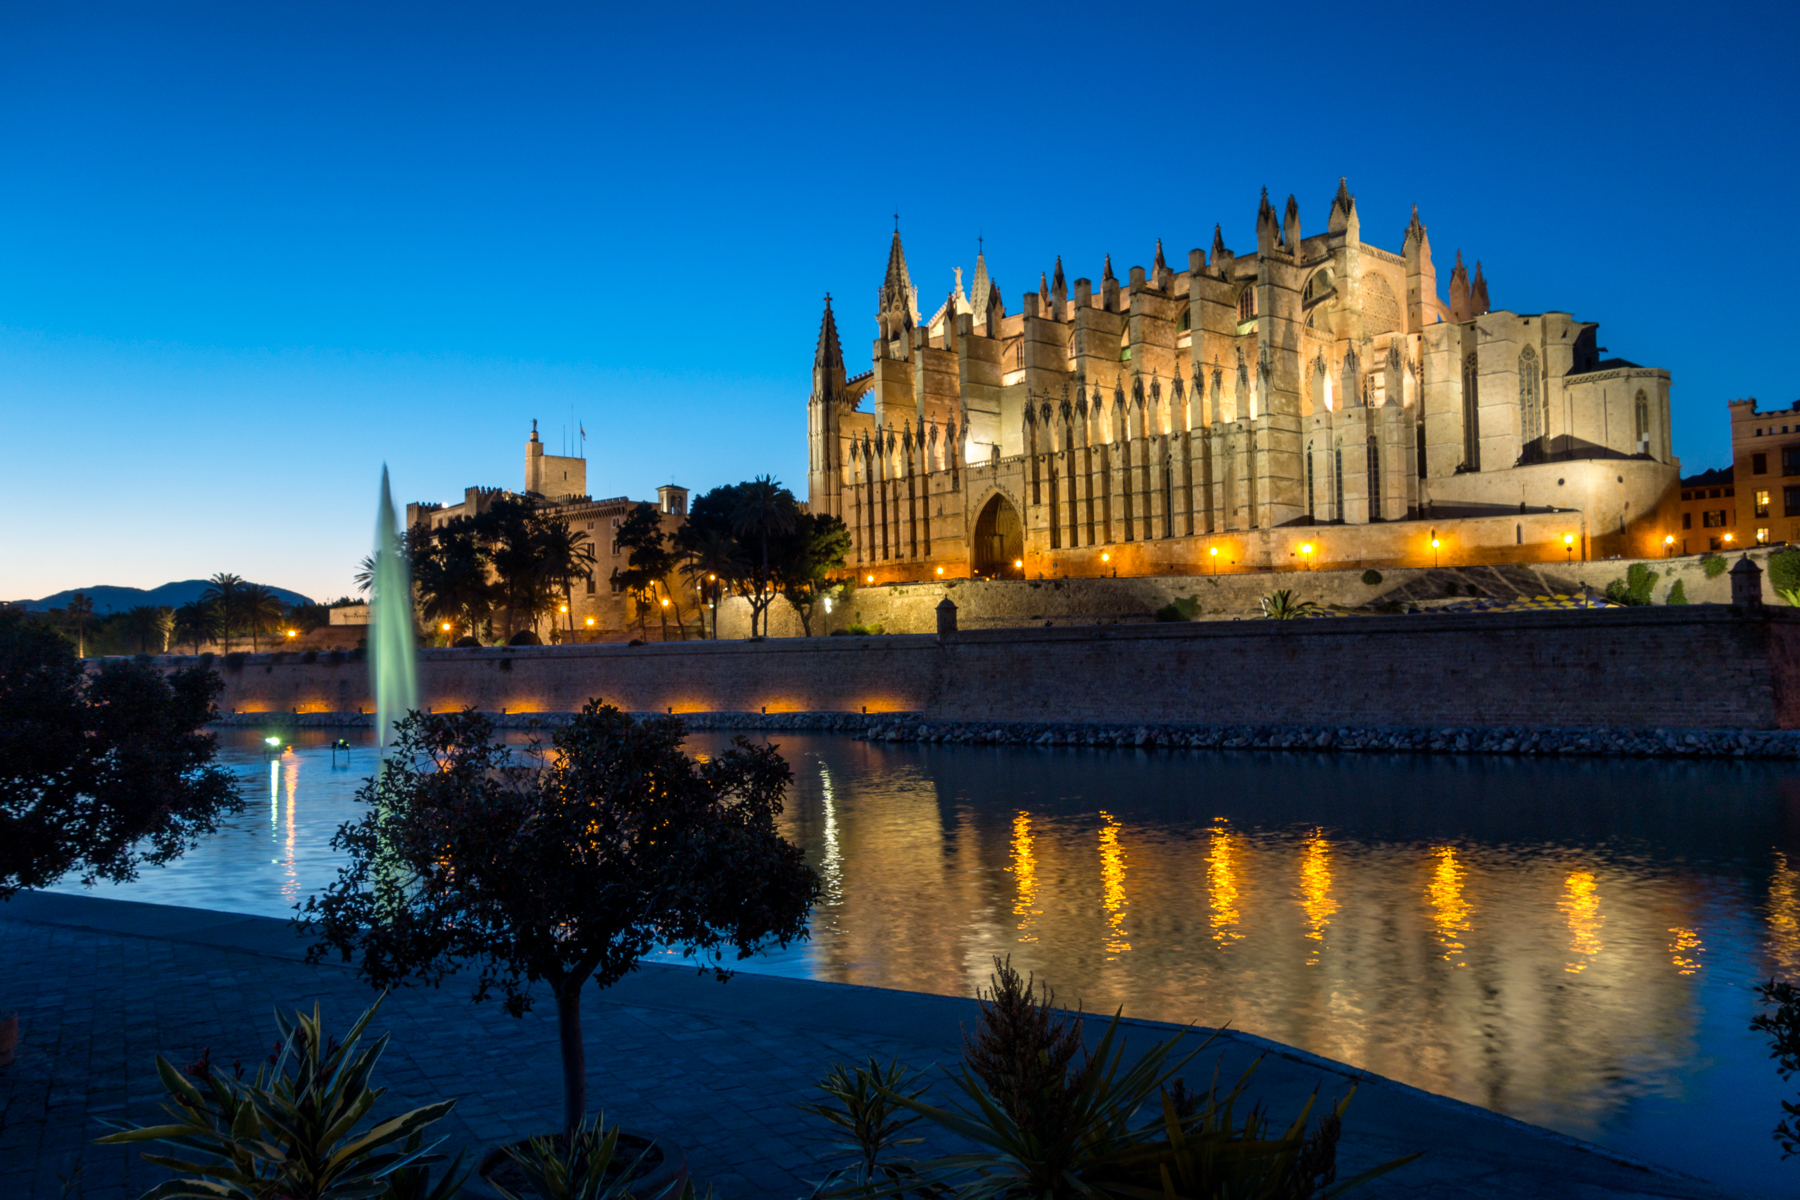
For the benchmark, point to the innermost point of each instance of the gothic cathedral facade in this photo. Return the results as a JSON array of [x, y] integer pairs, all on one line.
[[1315, 401]]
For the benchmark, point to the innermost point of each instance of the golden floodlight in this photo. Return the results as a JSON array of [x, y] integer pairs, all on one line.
[[870, 578], [1106, 558], [665, 603], [940, 570], [1018, 562], [563, 608], [590, 622], [1728, 537], [291, 633], [1306, 547], [446, 627], [1568, 539], [1213, 550]]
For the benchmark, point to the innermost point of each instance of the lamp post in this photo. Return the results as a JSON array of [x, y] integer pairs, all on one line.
[[1306, 549], [1434, 548], [1668, 545], [1569, 548], [1212, 552]]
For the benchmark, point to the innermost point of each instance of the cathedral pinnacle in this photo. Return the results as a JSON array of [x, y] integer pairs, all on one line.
[[1343, 200], [1160, 264], [1107, 275]]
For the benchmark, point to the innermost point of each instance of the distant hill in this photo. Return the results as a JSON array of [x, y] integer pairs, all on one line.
[[110, 599]]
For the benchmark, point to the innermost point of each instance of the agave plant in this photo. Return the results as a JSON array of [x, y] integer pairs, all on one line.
[[583, 1165], [295, 1130], [863, 1105], [1280, 605]]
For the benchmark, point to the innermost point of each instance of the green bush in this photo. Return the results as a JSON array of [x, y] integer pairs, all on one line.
[[298, 1129], [1784, 574], [1714, 565], [1677, 594], [1281, 606], [1182, 608], [1635, 588], [1047, 1120], [865, 630], [1371, 577], [862, 1105]]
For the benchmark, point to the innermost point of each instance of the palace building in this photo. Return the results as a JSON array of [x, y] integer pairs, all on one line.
[[1314, 400]]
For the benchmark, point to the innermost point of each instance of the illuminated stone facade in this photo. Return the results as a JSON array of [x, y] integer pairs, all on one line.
[[1318, 392]]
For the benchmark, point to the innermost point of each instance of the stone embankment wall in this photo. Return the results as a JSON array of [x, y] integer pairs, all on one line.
[[992, 604], [1710, 666]]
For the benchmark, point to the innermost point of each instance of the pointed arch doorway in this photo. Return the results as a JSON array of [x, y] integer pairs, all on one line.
[[999, 541]]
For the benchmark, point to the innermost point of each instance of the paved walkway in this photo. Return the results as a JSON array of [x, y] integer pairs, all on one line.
[[102, 986]]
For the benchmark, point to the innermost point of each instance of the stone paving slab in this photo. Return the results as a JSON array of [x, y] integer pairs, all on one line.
[[102, 986]]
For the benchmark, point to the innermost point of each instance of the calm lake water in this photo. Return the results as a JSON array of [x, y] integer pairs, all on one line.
[[1570, 943]]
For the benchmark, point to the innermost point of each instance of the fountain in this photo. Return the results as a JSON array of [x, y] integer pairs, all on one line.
[[391, 627]]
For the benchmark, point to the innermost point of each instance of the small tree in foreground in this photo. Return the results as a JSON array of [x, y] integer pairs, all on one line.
[[102, 771], [558, 868]]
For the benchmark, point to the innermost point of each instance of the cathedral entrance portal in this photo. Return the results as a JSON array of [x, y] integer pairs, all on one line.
[[999, 541]]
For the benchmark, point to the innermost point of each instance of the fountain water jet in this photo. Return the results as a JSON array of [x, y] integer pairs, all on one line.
[[392, 637]]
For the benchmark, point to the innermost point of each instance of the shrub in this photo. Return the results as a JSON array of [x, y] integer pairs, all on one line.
[[295, 1130], [1281, 606], [506, 663], [865, 630], [584, 1165], [1450, 588], [1714, 565], [1182, 608], [864, 1107], [1633, 590], [235, 660], [1677, 594], [1783, 1028], [1046, 1124], [311, 656], [1784, 574], [632, 642], [839, 633], [1371, 577]]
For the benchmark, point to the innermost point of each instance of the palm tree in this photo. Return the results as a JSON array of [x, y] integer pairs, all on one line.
[[196, 622], [224, 595], [365, 570], [450, 574], [262, 610], [78, 610], [565, 560], [1281, 606], [150, 625], [764, 508], [714, 563]]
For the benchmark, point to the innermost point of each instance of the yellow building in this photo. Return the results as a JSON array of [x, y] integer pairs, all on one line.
[[1765, 460]]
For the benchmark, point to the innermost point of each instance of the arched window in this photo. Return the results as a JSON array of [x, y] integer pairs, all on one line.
[[1186, 322], [1337, 481], [1374, 479], [1247, 304], [1471, 415], [1312, 502], [1531, 411], [1642, 408]]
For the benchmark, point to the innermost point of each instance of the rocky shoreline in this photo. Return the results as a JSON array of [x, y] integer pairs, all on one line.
[[911, 727]]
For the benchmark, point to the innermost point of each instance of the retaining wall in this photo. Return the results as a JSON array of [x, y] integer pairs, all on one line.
[[1692, 667]]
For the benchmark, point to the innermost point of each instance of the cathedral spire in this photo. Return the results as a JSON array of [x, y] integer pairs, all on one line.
[[1160, 264], [1478, 297], [1043, 294], [1218, 250], [828, 354], [1459, 291], [1107, 274], [1059, 289], [980, 288]]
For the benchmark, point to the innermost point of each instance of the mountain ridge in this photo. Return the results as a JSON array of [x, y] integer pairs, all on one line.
[[111, 598]]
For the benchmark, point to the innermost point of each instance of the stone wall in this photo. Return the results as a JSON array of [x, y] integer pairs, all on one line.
[[995, 603], [1694, 667]]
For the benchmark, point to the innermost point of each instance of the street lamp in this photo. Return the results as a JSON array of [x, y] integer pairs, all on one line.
[[1306, 549], [1668, 545], [1213, 553], [940, 570], [1569, 547], [870, 578], [1434, 547], [292, 633]]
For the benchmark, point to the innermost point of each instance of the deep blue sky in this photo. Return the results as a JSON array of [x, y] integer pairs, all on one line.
[[249, 252]]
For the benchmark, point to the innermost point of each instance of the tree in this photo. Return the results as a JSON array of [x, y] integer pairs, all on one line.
[[511, 530], [560, 867], [78, 612], [450, 574], [1784, 574], [764, 509], [712, 561], [805, 559], [225, 595], [648, 558], [149, 625], [365, 570], [1635, 589], [262, 611], [195, 622], [100, 772], [566, 560]]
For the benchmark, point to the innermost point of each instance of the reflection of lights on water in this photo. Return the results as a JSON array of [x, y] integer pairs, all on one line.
[[1784, 916], [1315, 892], [832, 864], [1686, 940], [291, 888], [1024, 871], [1449, 911], [1580, 906], [1221, 885], [1112, 886], [274, 796]]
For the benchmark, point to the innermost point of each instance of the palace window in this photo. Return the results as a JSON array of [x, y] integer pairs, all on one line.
[[1790, 460], [1337, 481], [1762, 503], [1714, 518], [1247, 304], [1642, 409], [1687, 520], [1759, 464], [1531, 410], [1762, 537], [1790, 500]]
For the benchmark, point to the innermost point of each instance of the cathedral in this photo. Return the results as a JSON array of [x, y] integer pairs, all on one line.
[[1316, 401]]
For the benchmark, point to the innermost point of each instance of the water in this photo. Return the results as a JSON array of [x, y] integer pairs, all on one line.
[[1570, 943]]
